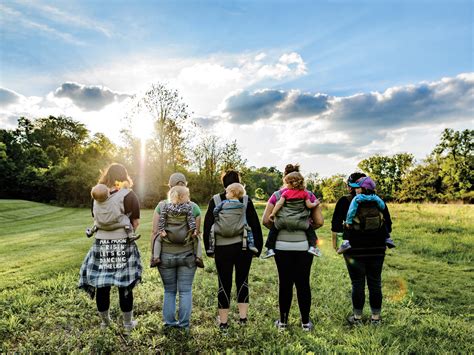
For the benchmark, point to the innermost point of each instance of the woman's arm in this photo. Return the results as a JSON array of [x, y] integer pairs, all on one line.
[[208, 222], [198, 225], [317, 216], [135, 223], [154, 228], [266, 215]]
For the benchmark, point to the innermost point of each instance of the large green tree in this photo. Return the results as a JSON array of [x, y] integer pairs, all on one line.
[[388, 172]]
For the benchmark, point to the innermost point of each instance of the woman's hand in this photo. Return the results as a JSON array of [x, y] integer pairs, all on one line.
[[272, 217], [163, 233]]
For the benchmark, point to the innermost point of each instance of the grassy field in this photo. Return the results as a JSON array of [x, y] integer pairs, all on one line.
[[427, 285]]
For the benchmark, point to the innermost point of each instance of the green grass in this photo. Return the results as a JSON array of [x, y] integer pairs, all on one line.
[[427, 285]]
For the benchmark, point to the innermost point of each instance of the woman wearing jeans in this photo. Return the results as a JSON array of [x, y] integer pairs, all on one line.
[[177, 268], [365, 258], [293, 263]]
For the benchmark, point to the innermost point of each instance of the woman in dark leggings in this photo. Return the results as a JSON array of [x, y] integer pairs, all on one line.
[[100, 269], [293, 263], [229, 256], [365, 259]]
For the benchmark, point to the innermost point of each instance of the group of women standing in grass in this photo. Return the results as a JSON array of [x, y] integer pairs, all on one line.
[[116, 261]]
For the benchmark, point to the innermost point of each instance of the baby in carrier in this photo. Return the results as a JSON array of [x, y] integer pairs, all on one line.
[[234, 192], [373, 220], [294, 182], [107, 212], [180, 205]]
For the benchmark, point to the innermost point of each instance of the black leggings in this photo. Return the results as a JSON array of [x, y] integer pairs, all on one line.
[[294, 268], [103, 299], [227, 257], [365, 268]]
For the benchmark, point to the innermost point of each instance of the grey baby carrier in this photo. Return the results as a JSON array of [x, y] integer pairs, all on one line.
[[293, 216], [109, 216], [231, 221], [177, 230]]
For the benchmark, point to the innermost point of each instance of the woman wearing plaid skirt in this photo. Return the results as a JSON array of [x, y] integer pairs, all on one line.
[[114, 259]]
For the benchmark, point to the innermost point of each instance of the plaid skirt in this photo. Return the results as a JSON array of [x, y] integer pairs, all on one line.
[[110, 263]]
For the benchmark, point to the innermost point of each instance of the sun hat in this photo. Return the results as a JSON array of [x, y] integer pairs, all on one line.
[[365, 182], [176, 178]]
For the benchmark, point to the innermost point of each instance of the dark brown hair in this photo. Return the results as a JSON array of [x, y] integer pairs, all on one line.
[[289, 168], [229, 177], [294, 180], [115, 172]]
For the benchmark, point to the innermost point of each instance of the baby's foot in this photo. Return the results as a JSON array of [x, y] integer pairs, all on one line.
[[315, 251], [268, 254], [344, 247]]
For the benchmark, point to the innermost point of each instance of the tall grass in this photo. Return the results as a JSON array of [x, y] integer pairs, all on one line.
[[427, 285]]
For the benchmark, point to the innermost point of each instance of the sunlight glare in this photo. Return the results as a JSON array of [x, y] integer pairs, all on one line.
[[142, 127]]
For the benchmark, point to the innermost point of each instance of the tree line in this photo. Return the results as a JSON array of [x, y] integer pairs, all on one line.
[[57, 160]]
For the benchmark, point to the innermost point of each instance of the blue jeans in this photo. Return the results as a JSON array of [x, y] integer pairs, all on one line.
[[177, 272]]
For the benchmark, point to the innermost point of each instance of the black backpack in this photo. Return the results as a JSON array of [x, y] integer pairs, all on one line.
[[368, 217]]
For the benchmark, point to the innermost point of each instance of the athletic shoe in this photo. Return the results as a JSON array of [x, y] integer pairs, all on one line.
[[389, 242], [377, 321], [307, 327], [344, 247], [268, 254], [127, 327], [353, 320], [281, 326], [223, 328], [243, 321], [314, 251]]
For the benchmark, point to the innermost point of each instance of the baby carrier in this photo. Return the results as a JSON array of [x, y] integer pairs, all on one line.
[[232, 221], [109, 216], [177, 230], [367, 235], [293, 215], [368, 217]]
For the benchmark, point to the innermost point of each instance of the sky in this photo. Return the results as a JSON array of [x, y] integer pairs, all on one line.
[[322, 83]]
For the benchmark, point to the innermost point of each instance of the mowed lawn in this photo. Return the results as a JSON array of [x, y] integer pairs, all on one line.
[[427, 284]]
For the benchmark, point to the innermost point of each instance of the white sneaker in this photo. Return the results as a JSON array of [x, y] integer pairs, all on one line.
[[344, 246], [307, 327], [314, 251], [268, 254], [281, 326], [128, 327]]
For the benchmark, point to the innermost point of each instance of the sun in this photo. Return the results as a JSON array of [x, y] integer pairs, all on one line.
[[142, 128]]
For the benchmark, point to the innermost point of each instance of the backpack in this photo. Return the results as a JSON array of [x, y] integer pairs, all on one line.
[[368, 217], [111, 213], [176, 228], [231, 222], [292, 216]]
